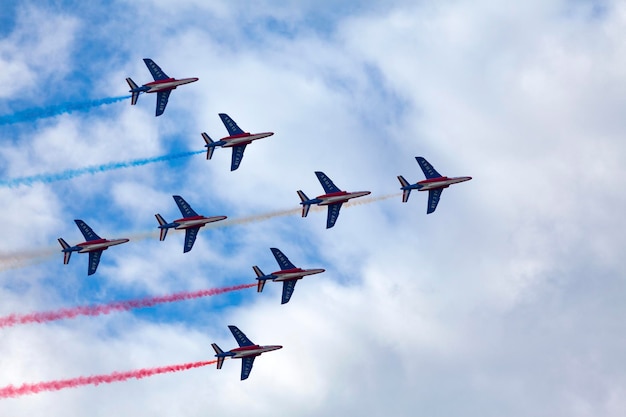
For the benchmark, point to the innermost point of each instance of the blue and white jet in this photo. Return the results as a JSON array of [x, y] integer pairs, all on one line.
[[162, 85], [434, 184], [190, 223], [236, 139], [333, 198], [288, 275], [246, 351], [93, 245]]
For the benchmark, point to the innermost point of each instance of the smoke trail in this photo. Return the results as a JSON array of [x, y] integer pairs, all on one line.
[[291, 212], [17, 260], [27, 257], [11, 391], [97, 310], [72, 173], [37, 113]]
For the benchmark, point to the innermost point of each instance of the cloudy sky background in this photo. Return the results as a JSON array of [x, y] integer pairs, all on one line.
[[508, 300]]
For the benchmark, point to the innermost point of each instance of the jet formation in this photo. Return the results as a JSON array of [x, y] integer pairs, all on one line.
[[191, 221]]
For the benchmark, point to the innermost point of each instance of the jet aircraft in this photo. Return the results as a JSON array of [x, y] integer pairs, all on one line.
[[190, 223], [288, 274], [94, 245], [237, 139], [333, 198], [434, 184], [246, 351], [162, 85]]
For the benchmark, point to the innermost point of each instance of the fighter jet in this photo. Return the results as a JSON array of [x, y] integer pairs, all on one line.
[[94, 245], [434, 184], [333, 198], [237, 139], [288, 274], [246, 351], [162, 85], [191, 223]]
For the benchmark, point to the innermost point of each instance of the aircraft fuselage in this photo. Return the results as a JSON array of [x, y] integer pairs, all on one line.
[[168, 84], [244, 139], [340, 197], [97, 245], [441, 182], [297, 273], [255, 350], [199, 221]]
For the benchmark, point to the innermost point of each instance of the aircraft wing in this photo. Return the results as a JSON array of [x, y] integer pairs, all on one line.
[[427, 169], [283, 261], [433, 199], [333, 213], [237, 156], [246, 367], [184, 207], [87, 231], [288, 287], [241, 338], [94, 260], [155, 70], [327, 184], [190, 238], [161, 102], [230, 125]]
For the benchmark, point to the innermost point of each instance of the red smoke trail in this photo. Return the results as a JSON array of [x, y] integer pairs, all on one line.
[[96, 310], [11, 391]]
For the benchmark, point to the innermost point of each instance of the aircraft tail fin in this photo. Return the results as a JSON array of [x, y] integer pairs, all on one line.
[[261, 282], [66, 253], [405, 191], [133, 86], [218, 351], [209, 148], [305, 206], [162, 222]]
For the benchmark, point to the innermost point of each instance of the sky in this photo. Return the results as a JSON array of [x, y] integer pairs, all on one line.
[[508, 300]]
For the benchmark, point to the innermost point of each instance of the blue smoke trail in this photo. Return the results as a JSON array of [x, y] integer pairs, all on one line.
[[72, 173], [33, 114]]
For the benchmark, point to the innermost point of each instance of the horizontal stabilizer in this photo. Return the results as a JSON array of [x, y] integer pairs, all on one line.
[[218, 351], [135, 95], [208, 141], [403, 182], [163, 230], [405, 195], [305, 207], [405, 191], [66, 254], [258, 271], [260, 275]]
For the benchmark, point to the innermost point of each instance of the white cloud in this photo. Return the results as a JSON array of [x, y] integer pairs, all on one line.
[[506, 301]]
